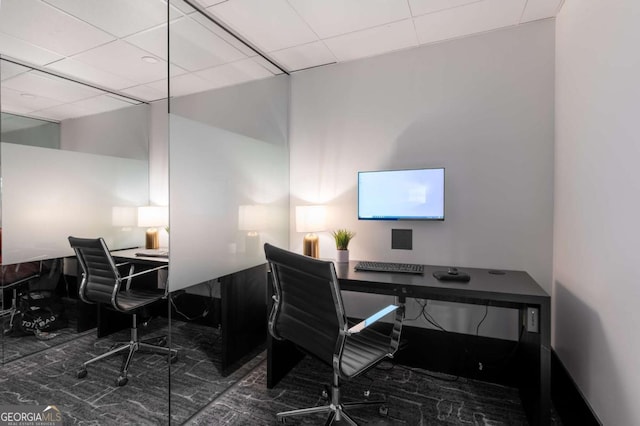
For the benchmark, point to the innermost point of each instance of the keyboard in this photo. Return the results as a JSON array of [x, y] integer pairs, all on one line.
[[407, 268]]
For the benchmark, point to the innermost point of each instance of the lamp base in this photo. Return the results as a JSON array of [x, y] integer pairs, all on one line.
[[311, 246], [152, 239]]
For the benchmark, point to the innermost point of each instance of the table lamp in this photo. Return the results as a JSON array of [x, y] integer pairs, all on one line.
[[310, 219], [152, 217]]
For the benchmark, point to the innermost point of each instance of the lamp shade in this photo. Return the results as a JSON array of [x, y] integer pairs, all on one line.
[[310, 218], [153, 216], [251, 217]]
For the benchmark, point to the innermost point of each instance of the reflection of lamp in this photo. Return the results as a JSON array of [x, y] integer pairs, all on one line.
[[123, 216], [151, 217], [310, 219], [251, 218]]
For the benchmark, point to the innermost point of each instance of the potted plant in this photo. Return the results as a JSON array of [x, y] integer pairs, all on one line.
[[342, 238]]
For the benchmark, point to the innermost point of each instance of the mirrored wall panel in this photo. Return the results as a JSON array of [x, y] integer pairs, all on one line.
[[87, 72]]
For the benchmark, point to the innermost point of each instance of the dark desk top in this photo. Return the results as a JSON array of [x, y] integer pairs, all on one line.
[[511, 289]]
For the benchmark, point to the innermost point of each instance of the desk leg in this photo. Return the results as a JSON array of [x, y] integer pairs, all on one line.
[[244, 315], [282, 356], [535, 366]]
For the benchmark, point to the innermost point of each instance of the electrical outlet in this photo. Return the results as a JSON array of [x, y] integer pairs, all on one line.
[[532, 320]]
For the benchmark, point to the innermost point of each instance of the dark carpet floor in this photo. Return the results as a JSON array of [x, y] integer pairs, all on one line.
[[201, 396], [413, 397]]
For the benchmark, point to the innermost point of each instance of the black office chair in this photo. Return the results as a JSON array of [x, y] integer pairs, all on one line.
[[102, 283], [309, 312]]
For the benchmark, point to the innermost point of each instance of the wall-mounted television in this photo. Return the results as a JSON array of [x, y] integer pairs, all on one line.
[[416, 194]]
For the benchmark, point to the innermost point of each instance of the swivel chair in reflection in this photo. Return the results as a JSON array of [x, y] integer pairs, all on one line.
[[103, 283]]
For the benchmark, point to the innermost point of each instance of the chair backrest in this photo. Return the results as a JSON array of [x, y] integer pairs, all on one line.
[[308, 308], [101, 279]]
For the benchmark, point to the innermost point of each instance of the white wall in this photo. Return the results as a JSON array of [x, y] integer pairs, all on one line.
[[597, 204], [480, 106]]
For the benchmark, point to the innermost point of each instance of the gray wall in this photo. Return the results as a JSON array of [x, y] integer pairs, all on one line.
[[597, 205], [481, 106]]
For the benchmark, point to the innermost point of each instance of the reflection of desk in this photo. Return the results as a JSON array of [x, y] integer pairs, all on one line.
[[243, 317], [514, 289]]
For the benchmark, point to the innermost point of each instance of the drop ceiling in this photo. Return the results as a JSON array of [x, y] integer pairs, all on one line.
[[119, 47]]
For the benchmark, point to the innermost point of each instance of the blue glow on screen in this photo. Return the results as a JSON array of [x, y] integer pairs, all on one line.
[[401, 194]]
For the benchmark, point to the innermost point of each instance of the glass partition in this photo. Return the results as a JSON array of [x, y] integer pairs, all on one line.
[[87, 76], [229, 194]]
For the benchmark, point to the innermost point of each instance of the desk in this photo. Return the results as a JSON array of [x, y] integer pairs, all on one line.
[[511, 289], [243, 311]]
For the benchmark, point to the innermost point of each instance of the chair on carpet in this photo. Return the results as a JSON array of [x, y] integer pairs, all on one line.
[[308, 311], [103, 283]]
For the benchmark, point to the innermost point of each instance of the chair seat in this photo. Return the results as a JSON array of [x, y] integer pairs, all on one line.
[[133, 299], [362, 350]]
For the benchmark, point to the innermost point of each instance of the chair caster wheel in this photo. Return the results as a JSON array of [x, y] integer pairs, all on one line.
[[121, 381], [82, 373], [282, 420], [173, 358], [384, 411]]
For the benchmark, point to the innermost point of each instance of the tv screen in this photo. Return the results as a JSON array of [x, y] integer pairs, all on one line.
[[401, 194]]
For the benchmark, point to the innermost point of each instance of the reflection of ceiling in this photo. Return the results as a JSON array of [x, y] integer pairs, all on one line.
[[121, 45], [10, 123]]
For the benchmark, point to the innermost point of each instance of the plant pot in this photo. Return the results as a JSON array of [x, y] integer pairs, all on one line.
[[342, 256]]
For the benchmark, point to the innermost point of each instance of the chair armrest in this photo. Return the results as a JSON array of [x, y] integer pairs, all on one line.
[[372, 319]]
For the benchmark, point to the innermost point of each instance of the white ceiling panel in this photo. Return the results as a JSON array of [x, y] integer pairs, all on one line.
[[95, 105], [19, 49], [43, 85], [147, 93], [223, 34], [469, 19], [207, 3], [14, 101], [374, 41], [193, 47], [270, 25], [329, 18], [422, 7], [90, 74], [9, 69], [304, 56], [125, 60], [234, 73], [540, 9], [47, 27], [118, 17]]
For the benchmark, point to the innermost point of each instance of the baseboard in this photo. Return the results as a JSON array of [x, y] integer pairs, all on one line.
[[568, 401]]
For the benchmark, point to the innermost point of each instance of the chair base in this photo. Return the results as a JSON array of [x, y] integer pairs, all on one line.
[[128, 349], [336, 408]]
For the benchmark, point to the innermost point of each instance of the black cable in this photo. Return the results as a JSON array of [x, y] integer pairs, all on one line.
[[486, 311], [204, 313]]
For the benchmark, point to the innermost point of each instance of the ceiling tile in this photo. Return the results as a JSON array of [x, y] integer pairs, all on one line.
[[469, 19], [118, 17], [13, 101], [124, 60], [95, 105], [47, 27], [222, 33], [329, 18], [304, 56], [422, 7], [23, 51], [234, 73], [147, 93], [90, 74], [540, 9], [193, 47], [270, 25], [48, 86], [374, 41], [9, 69]]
